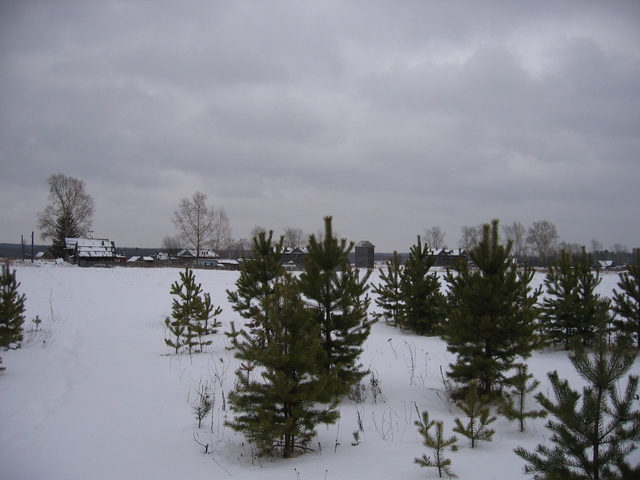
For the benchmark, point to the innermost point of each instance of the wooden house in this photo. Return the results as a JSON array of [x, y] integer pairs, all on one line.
[[87, 252], [448, 257], [293, 258], [205, 257]]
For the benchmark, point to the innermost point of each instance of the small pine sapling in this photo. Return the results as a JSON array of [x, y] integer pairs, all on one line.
[[388, 291], [627, 301], [436, 442], [205, 322], [192, 313], [178, 330], [204, 402], [514, 403], [479, 415], [11, 310]]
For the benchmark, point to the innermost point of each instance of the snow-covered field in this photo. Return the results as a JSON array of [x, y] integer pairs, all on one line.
[[96, 395]]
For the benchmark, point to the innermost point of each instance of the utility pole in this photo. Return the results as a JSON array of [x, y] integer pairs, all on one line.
[[32, 248]]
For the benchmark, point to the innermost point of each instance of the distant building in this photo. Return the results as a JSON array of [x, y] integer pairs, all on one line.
[[293, 258], [140, 260], [205, 257], [448, 257], [87, 252], [603, 264], [365, 251]]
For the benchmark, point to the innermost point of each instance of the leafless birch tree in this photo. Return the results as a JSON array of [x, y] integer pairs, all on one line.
[[68, 198]]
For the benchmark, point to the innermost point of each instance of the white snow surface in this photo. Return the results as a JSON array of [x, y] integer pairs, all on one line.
[[96, 394]]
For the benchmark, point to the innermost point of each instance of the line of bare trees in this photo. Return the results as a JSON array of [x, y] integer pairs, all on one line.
[[538, 244], [201, 226]]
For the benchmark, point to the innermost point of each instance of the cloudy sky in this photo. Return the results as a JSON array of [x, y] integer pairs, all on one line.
[[391, 116]]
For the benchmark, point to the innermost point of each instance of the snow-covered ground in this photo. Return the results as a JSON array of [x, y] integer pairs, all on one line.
[[96, 395]]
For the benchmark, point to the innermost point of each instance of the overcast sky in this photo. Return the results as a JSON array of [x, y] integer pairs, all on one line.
[[391, 116]]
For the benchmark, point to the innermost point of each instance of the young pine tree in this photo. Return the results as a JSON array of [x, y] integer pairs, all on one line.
[[437, 443], [12, 306], [66, 227], [423, 306], [492, 314], [290, 395], [571, 308], [388, 291], [336, 294], [479, 415], [258, 276], [193, 315], [627, 301], [591, 440], [514, 404]]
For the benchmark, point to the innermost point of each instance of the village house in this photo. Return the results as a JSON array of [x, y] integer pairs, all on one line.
[[293, 258], [448, 257], [204, 258], [88, 252]]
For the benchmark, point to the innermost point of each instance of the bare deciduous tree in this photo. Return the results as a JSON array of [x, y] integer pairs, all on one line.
[[434, 237], [257, 230], [221, 239], [470, 236], [294, 237], [68, 198], [172, 245], [596, 249], [571, 248], [517, 233], [201, 226], [543, 238]]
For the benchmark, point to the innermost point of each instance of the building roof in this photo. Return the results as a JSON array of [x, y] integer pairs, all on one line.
[[140, 258], [192, 253], [453, 252], [604, 264], [365, 244], [295, 251], [91, 247]]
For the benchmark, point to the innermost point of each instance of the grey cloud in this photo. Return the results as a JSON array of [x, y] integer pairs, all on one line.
[[419, 113]]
